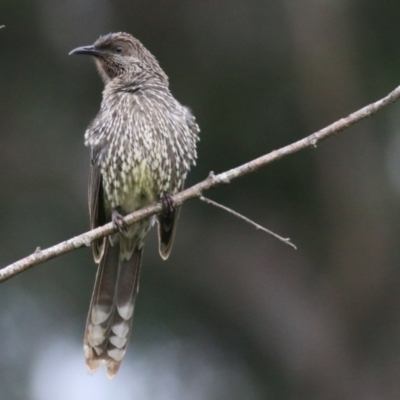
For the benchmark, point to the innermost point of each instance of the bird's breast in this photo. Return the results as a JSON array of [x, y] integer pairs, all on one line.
[[146, 147], [129, 187]]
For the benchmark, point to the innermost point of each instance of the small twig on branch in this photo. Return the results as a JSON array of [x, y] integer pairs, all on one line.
[[196, 190], [249, 221]]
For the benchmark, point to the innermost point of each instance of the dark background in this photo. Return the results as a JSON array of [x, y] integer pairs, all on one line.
[[233, 314]]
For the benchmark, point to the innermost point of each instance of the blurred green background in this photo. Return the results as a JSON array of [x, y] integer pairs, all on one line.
[[233, 314]]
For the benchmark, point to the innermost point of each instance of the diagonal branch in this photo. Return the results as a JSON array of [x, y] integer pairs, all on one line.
[[195, 191], [248, 220]]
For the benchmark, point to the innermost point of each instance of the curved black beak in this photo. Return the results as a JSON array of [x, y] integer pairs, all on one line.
[[89, 50]]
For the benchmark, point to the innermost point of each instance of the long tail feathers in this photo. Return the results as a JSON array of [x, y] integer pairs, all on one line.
[[109, 321]]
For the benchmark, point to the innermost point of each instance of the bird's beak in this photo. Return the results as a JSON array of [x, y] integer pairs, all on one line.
[[89, 50]]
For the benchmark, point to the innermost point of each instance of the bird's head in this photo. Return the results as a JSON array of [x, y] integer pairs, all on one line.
[[121, 55]]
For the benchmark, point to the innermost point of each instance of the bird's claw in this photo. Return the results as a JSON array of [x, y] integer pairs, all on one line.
[[167, 204], [119, 222]]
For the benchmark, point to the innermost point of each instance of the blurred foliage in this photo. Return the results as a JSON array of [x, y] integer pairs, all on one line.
[[265, 322]]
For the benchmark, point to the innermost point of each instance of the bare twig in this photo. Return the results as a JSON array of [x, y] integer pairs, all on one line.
[[196, 190], [249, 221]]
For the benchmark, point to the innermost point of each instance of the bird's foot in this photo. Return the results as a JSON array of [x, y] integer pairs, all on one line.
[[167, 204], [119, 222]]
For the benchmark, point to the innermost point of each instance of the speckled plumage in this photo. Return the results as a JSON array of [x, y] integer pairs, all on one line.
[[143, 144]]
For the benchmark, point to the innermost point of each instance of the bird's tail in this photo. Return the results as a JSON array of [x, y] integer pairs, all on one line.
[[109, 321]]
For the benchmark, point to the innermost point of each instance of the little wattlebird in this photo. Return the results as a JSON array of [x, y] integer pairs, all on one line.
[[143, 143]]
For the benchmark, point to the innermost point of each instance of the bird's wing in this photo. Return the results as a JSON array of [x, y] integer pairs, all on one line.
[[96, 205], [167, 223]]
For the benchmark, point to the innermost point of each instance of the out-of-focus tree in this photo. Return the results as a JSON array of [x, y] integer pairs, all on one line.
[[232, 314]]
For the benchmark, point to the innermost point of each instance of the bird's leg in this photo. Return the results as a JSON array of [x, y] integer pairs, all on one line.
[[167, 204], [118, 221]]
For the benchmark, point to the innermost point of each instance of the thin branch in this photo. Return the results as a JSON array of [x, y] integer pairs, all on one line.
[[196, 190], [249, 221]]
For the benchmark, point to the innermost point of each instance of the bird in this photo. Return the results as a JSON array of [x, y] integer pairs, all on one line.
[[143, 144]]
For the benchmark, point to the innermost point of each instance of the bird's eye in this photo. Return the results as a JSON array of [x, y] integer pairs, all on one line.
[[118, 49]]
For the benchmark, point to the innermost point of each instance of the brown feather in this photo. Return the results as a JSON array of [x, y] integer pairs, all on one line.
[[109, 322], [167, 223], [96, 208]]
